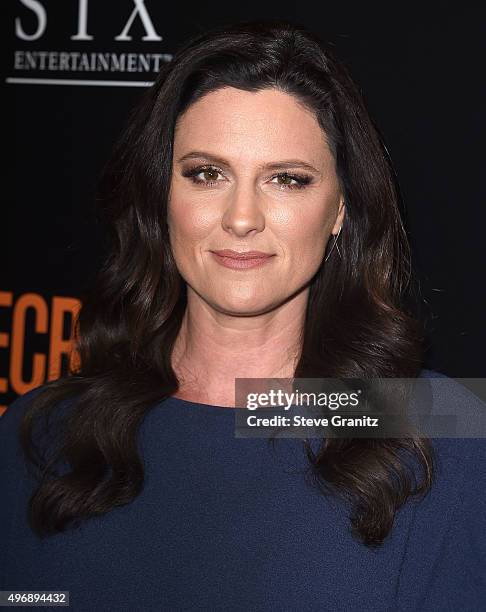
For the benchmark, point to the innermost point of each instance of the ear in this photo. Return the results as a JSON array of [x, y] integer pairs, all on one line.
[[340, 217]]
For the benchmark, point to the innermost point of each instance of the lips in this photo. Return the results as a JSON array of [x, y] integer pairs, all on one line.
[[243, 254], [242, 260]]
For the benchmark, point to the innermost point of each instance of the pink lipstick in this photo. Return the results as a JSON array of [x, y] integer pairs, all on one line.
[[241, 260]]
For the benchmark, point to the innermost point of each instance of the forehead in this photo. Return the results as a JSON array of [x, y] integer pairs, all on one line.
[[252, 125]]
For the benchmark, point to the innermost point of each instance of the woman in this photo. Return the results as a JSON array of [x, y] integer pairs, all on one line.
[[254, 231]]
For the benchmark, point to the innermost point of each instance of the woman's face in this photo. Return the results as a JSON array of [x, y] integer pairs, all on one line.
[[251, 172]]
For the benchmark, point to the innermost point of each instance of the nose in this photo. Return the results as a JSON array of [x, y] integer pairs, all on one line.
[[243, 213]]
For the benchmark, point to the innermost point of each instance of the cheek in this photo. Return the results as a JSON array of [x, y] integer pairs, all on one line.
[[303, 232], [187, 221]]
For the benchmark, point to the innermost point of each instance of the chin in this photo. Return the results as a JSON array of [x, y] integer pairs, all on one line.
[[243, 307]]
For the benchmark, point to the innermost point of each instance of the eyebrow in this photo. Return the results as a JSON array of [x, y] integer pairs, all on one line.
[[287, 163]]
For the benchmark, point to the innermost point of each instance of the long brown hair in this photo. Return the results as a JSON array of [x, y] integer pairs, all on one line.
[[359, 320]]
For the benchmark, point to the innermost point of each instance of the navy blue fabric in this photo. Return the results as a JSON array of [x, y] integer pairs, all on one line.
[[227, 523]]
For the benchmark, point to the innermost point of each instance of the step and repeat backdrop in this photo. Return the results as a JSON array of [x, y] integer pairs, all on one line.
[[73, 69]]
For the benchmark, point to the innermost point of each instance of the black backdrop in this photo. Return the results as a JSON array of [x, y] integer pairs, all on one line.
[[420, 72]]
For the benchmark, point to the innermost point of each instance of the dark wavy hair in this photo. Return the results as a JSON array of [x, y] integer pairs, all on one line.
[[359, 319]]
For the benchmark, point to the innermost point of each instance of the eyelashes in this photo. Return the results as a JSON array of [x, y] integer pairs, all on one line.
[[300, 180]]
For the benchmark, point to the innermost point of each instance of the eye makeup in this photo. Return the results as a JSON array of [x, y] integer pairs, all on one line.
[[300, 180]]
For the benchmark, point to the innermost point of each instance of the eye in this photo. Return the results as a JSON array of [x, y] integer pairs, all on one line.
[[300, 180], [208, 171]]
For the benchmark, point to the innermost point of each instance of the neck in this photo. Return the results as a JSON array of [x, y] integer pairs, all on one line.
[[213, 348]]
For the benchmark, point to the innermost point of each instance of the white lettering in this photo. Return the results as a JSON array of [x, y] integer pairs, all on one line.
[[40, 12], [19, 60], [141, 10], [82, 22]]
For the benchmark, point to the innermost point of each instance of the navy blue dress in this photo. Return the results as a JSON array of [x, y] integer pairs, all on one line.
[[227, 523]]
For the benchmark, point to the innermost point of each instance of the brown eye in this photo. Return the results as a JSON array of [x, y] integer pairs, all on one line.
[[300, 181], [210, 174]]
